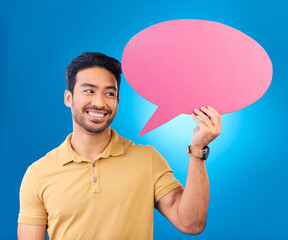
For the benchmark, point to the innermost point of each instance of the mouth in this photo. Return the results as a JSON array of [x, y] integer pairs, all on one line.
[[96, 116]]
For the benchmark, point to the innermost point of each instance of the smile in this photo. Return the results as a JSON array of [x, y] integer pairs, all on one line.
[[98, 115]]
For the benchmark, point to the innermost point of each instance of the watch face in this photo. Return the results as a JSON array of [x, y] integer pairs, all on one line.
[[205, 153]]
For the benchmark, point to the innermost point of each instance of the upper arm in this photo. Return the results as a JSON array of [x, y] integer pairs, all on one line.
[[31, 232], [167, 206], [163, 178], [32, 209], [167, 190]]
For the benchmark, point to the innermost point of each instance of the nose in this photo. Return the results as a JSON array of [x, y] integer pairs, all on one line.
[[98, 101]]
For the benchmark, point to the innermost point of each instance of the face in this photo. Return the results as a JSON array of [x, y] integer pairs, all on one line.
[[94, 101]]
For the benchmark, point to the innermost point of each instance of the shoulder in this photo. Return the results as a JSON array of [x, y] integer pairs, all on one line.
[[58, 156], [130, 147], [145, 153], [41, 166], [141, 152], [48, 162], [35, 173]]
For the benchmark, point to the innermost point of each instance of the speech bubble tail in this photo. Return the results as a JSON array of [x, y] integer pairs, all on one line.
[[159, 117]]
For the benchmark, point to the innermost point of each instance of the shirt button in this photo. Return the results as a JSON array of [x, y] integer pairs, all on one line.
[[94, 179], [93, 164]]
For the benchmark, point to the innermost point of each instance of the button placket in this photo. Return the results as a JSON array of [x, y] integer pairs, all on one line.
[[95, 176]]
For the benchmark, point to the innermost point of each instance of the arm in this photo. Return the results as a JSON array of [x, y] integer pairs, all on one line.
[[31, 232], [187, 208], [32, 215]]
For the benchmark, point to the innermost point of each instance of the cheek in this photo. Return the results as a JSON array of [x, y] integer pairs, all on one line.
[[79, 102], [112, 104], [77, 107]]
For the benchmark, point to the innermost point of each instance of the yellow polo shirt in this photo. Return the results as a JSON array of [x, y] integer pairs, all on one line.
[[111, 197]]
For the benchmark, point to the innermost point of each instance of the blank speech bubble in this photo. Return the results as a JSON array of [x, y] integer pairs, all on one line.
[[184, 64]]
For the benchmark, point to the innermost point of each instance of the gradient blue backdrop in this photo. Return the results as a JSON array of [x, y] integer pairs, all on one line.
[[248, 163]]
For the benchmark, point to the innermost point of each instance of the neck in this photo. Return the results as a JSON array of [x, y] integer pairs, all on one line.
[[89, 145]]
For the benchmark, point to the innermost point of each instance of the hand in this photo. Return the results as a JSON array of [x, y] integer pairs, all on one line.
[[208, 129]]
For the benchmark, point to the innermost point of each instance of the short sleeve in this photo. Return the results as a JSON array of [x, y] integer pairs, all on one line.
[[32, 210], [163, 178]]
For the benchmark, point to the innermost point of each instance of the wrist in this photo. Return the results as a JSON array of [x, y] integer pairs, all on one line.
[[199, 151], [200, 147]]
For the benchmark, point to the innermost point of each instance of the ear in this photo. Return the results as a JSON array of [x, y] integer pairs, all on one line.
[[68, 98]]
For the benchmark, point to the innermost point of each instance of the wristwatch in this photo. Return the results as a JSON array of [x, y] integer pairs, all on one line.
[[203, 154]]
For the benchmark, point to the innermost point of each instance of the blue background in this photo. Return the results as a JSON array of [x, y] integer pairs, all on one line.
[[248, 163]]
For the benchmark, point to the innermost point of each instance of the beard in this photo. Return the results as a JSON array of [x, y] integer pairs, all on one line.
[[81, 121]]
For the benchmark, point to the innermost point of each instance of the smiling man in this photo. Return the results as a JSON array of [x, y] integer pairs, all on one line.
[[99, 185]]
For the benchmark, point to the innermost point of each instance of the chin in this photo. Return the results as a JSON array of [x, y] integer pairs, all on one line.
[[96, 130]]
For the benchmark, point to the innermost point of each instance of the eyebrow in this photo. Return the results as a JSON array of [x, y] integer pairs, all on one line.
[[94, 86]]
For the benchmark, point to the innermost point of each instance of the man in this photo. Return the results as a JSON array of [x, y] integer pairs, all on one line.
[[98, 185]]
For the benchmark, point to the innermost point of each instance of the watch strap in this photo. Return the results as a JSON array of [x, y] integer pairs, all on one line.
[[203, 154]]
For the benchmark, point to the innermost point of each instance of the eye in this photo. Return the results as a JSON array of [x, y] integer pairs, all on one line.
[[89, 91], [110, 94]]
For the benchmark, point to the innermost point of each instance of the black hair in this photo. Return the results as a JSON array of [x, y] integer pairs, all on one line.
[[92, 59]]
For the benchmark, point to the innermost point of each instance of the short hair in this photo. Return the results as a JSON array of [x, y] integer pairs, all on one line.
[[92, 59]]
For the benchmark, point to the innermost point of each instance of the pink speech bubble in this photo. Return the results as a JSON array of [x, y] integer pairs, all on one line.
[[181, 65]]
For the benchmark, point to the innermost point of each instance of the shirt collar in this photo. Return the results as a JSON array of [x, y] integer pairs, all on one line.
[[67, 154]]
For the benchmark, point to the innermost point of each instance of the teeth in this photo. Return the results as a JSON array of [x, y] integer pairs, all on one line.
[[100, 115]]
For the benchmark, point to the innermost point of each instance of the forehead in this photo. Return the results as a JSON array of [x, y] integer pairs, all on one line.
[[96, 75]]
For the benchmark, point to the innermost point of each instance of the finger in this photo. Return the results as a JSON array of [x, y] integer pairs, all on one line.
[[214, 110], [204, 117], [198, 121], [214, 118]]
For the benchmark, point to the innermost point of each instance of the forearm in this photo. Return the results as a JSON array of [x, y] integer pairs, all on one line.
[[193, 204]]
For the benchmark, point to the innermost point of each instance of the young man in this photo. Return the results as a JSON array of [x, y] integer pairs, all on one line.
[[98, 185]]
